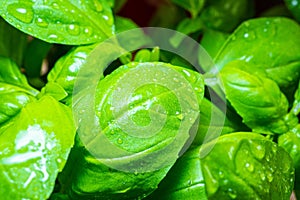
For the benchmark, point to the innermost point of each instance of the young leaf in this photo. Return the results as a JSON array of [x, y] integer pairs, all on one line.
[[124, 24], [256, 98], [34, 148], [193, 6], [65, 22], [263, 42], [65, 71], [246, 166]]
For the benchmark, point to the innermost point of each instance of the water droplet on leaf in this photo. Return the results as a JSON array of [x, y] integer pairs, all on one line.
[[232, 193], [249, 167], [41, 22], [22, 12], [73, 29], [120, 141]]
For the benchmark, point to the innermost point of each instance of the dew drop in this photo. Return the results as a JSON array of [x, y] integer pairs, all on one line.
[[73, 29], [270, 177], [262, 176], [41, 22], [22, 12], [120, 141], [249, 167], [221, 174], [180, 116], [232, 193], [176, 80], [88, 31], [55, 5], [258, 151], [295, 3]]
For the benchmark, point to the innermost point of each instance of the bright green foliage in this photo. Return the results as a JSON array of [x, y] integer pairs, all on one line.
[[193, 6], [184, 181], [34, 147], [65, 22], [146, 124], [62, 77], [226, 15], [246, 166], [255, 97], [262, 42]]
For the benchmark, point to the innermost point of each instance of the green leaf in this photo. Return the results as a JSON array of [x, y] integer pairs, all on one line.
[[188, 26], [184, 181], [212, 41], [66, 70], [71, 22], [256, 98], [263, 42], [294, 7], [12, 42], [225, 15], [146, 112], [11, 74], [13, 99], [213, 123], [34, 148], [246, 166], [296, 104], [193, 6], [118, 5], [124, 24], [290, 141], [55, 90]]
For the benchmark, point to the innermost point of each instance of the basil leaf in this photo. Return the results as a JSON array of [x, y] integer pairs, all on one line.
[[213, 122], [71, 22], [64, 74], [12, 42], [124, 24], [193, 6], [290, 141], [225, 15], [212, 41], [296, 104], [246, 166], [184, 181], [294, 7], [13, 99], [256, 98], [34, 148], [162, 110], [262, 42]]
